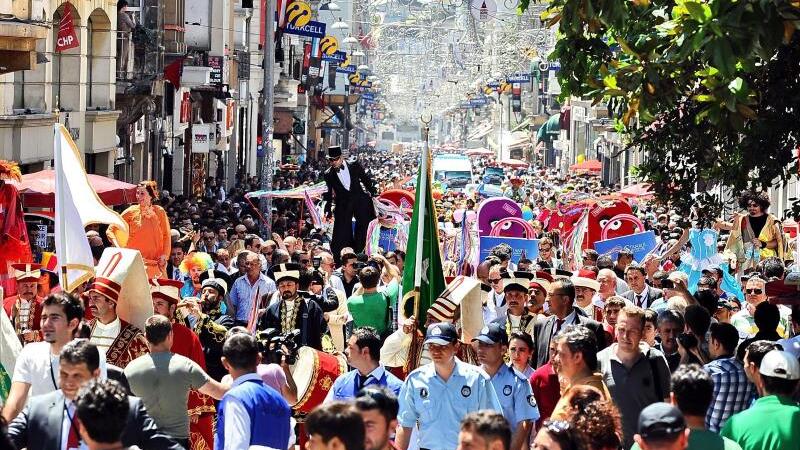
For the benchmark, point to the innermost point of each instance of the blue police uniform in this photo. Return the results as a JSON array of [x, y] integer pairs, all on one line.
[[346, 386], [438, 406], [515, 396]]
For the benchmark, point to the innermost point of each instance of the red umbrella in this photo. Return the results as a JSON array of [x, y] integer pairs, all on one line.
[[591, 165], [38, 190], [479, 152], [514, 163], [637, 191]]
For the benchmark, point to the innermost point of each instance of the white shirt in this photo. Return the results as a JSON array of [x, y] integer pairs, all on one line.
[[66, 424], [569, 320], [237, 421], [791, 345], [104, 335], [344, 175], [34, 366], [499, 303]]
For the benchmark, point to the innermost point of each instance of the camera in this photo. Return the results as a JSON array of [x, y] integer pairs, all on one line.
[[360, 265], [687, 340], [316, 261], [274, 346]]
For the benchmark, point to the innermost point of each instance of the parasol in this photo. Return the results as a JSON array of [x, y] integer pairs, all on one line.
[[38, 189]]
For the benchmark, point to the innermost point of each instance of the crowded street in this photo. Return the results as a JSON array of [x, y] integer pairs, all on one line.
[[385, 224]]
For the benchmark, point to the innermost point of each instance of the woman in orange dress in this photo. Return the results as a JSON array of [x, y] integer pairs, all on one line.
[[148, 230]]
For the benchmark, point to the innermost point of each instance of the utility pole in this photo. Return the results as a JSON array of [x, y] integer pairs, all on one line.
[[268, 16], [346, 115]]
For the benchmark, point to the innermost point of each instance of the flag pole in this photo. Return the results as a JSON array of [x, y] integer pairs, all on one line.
[[61, 251], [423, 189]]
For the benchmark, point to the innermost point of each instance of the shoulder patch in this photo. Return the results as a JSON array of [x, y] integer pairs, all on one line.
[[507, 390], [466, 391], [532, 400]]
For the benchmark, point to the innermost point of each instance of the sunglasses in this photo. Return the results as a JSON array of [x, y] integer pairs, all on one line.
[[545, 249], [494, 280], [754, 291]]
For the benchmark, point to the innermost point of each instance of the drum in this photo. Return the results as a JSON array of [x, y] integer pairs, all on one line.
[[314, 374]]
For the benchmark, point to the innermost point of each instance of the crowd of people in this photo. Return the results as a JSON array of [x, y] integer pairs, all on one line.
[[213, 335]]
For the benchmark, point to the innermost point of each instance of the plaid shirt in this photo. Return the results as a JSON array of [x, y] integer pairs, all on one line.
[[732, 391]]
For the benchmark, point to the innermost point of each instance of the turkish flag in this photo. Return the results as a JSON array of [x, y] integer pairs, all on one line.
[[67, 38], [173, 72]]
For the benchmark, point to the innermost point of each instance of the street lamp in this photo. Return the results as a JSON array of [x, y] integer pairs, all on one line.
[[330, 6], [340, 25], [350, 40]]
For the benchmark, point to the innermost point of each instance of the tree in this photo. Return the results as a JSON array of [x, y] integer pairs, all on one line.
[[710, 89]]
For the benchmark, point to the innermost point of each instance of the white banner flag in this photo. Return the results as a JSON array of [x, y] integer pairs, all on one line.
[[77, 205]]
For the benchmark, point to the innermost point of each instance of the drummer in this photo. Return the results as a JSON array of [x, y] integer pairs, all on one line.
[[363, 354]]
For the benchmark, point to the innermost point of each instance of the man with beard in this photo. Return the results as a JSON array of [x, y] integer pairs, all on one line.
[[207, 321], [25, 308], [61, 315], [293, 312], [517, 317]]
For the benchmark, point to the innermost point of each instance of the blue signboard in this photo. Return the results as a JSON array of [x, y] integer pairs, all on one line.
[[493, 84], [523, 248], [640, 244], [351, 69], [336, 57], [520, 78], [475, 102], [312, 29]]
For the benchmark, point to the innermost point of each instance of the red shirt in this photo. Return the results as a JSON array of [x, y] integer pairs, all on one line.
[[546, 390]]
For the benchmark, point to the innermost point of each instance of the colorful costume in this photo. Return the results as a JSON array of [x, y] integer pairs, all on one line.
[[740, 241], [191, 267], [149, 233], [25, 315], [123, 348], [704, 254], [14, 244]]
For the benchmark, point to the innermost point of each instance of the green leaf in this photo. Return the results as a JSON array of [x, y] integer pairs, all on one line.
[[700, 12]]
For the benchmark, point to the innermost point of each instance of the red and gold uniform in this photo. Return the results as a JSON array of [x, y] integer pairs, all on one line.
[[14, 244], [25, 313], [186, 343]]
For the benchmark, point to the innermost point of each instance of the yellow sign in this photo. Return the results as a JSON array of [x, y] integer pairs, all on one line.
[[329, 45], [298, 13], [355, 78], [346, 62]]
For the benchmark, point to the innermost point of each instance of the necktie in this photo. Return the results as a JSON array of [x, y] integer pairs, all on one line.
[[559, 323], [639, 300], [73, 438], [362, 380]]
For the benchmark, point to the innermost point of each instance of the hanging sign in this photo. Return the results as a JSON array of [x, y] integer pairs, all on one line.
[[67, 38], [337, 57], [329, 45], [483, 10], [298, 14], [312, 29]]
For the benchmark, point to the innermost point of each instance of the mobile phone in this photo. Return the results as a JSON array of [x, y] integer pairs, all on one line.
[[316, 261]]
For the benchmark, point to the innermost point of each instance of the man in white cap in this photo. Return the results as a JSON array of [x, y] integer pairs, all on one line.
[[516, 286], [586, 286], [25, 307], [121, 279], [773, 420]]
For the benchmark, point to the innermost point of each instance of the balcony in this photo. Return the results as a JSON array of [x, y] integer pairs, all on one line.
[[18, 45]]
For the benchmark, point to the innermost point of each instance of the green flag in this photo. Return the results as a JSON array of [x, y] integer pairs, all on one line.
[[423, 279]]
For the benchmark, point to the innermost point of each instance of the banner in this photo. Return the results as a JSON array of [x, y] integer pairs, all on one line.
[[76, 206], [523, 248], [10, 348], [423, 278], [640, 244], [67, 38], [312, 29]]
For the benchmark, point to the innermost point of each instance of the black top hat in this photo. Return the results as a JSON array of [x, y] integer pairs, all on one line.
[[334, 152]]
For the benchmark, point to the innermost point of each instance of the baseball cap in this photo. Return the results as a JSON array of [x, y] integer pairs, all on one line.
[[713, 269], [660, 421], [492, 334], [441, 333], [780, 364]]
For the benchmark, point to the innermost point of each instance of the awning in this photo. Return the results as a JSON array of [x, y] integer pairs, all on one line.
[[524, 125], [481, 131], [38, 190], [550, 130]]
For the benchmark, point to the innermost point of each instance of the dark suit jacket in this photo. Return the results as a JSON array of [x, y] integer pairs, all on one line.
[[38, 426], [543, 332], [653, 295], [360, 184], [309, 321]]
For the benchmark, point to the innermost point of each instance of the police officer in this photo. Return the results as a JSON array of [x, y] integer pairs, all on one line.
[[363, 355], [438, 395], [513, 389]]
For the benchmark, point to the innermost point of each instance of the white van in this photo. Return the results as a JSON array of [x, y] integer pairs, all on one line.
[[453, 171]]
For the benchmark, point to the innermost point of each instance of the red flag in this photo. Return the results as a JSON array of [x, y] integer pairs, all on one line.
[[173, 72], [67, 38]]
